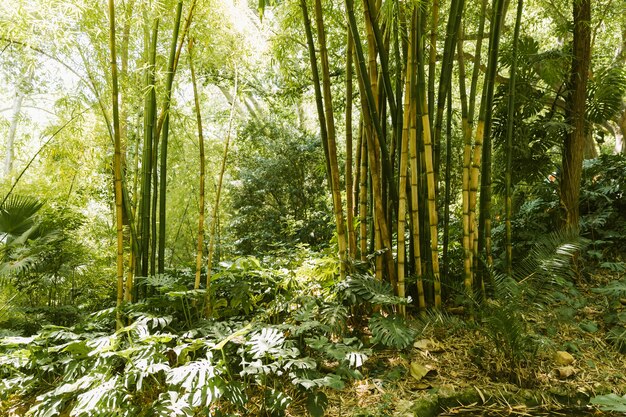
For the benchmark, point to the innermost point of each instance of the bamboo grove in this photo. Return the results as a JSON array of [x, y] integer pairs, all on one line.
[[141, 203], [397, 187], [404, 86]]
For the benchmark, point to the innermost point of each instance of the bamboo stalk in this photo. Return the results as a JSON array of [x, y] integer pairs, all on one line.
[[415, 219], [171, 68], [201, 208], [509, 141], [349, 179], [468, 277], [402, 203], [117, 166], [332, 144], [375, 138], [422, 109]]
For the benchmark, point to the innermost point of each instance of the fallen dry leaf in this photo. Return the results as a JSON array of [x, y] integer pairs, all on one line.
[[419, 371], [428, 345], [563, 358], [566, 371]]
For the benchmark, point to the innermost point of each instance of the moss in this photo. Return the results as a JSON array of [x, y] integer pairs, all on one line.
[[447, 397], [427, 406]]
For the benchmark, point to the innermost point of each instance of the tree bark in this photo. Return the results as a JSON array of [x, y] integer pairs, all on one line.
[[573, 147]]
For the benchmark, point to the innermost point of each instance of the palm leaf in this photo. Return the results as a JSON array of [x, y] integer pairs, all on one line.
[[17, 215]]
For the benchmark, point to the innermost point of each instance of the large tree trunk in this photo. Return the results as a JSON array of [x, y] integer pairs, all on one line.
[[574, 143]]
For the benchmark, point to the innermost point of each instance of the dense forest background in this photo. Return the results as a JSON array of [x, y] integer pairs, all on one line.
[[232, 207]]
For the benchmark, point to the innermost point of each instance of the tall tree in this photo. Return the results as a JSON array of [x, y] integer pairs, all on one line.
[[149, 121], [573, 146], [349, 152]]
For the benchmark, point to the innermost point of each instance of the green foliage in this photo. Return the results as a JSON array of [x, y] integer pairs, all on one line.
[[279, 189], [168, 363], [242, 287], [44, 263], [17, 217], [610, 402], [605, 93], [603, 206], [614, 317], [545, 274], [391, 331], [362, 288]]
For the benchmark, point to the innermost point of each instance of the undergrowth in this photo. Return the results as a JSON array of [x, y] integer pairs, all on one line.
[[279, 339], [276, 339]]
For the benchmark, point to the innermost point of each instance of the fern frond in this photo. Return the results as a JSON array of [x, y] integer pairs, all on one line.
[[365, 288]]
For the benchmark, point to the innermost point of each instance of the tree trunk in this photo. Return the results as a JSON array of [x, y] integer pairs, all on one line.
[[376, 148], [402, 188], [413, 153], [485, 117], [575, 140], [466, 129], [422, 109], [452, 31], [363, 197], [146, 165]]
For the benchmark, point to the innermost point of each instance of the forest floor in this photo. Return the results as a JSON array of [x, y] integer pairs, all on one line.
[[455, 368]]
